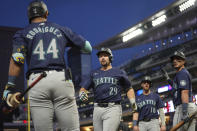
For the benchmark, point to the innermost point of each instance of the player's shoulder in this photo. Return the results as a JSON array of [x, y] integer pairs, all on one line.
[[118, 70], [154, 94], [65, 28], [19, 33], [97, 70], [140, 96], [182, 73]]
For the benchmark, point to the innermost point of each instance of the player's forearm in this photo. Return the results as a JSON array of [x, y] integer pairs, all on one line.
[[135, 116], [162, 116], [185, 96], [14, 69]]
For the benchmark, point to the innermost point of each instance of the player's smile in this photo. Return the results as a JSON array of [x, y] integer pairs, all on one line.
[[103, 58]]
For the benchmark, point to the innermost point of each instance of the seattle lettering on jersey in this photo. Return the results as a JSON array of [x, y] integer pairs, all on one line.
[[146, 103], [46, 29], [105, 80]]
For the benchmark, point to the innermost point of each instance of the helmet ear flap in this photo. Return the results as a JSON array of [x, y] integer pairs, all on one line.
[[110, 58]]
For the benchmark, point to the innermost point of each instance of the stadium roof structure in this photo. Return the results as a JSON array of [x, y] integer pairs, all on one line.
[[178, 17]]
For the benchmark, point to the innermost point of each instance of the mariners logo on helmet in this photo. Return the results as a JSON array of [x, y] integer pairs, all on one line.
[[36, 9], [146, 79], [178, 54], [106, 50]]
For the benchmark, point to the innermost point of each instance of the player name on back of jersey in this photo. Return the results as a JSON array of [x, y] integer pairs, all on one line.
[[46, 29]]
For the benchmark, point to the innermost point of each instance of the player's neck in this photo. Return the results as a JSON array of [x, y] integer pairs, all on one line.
[[104, 68], [146, 92], [179, 69], [38, 20]]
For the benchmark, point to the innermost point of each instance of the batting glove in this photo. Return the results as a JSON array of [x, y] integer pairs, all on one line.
[[83, 96], [133, 104], [165, 74], [9, 89], [10, 97], [12, 100]]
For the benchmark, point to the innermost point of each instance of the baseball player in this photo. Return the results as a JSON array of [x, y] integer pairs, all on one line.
[[42, 44], [107, 84], [148, 103], [182, 88]]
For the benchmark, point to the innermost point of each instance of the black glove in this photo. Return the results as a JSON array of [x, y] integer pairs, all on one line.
[[83, 96], [165, 74], [9, 89], [11, 97]]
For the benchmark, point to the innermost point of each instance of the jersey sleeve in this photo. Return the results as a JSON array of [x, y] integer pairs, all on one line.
[[86, 82], [183, 81], [19, 43], [73, 38], [125, 80]]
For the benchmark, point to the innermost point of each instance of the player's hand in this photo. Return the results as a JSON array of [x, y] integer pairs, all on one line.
[[83, 96], [134, 107], [133, 104], [13, 100], [163, 128], [165, 74], [135, 128]]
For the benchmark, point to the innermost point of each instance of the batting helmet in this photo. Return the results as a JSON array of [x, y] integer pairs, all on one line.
[[178, 54], [146, 79], [36, 9], [106, 50]]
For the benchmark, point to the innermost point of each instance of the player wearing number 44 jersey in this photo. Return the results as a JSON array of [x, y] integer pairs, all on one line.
[[107, 84], [42, 44]]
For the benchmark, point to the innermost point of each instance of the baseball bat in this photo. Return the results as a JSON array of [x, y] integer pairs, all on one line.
[[181, 123], [19, 97], [32, 85]]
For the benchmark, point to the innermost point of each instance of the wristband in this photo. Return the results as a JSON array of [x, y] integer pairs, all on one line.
[[135, 122], [11, 80]]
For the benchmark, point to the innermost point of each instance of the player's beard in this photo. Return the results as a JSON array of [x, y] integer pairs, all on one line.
[[105, 63]]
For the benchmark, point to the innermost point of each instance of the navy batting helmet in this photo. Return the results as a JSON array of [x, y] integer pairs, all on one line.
[[36, 9], [146, 79], [178, 54], [106, 50]]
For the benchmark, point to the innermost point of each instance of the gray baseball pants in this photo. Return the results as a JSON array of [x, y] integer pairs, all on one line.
[[178, 115], [53, 95], [107, 118], [152, 125]]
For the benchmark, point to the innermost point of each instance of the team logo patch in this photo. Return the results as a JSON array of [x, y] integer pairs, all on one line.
[[183, 82]]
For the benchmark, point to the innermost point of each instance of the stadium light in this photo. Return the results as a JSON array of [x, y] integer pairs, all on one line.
[[186, 5], [159, 20], [132, 35]]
